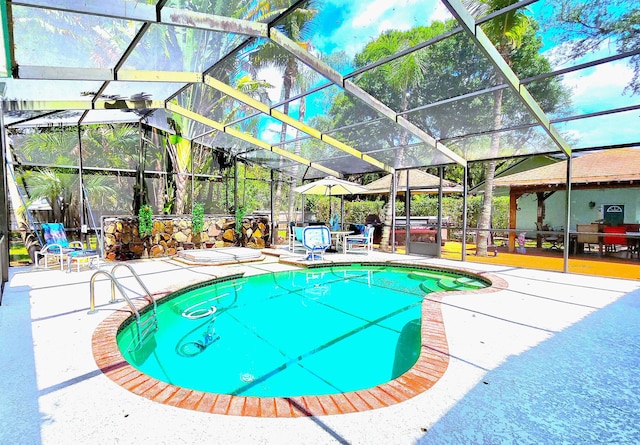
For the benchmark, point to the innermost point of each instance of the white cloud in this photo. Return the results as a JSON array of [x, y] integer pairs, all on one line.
[[386, 25], [274, 77], [271, 133], [371, 13], [364, 23], [598, 131], [440, 12], [599, 87]]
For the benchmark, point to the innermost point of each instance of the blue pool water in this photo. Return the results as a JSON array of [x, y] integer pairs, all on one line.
[[307, 332]]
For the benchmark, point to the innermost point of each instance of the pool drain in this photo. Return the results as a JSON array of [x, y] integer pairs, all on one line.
[[247, 378]]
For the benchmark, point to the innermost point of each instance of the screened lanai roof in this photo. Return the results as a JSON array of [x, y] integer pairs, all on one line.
[[321, 87]]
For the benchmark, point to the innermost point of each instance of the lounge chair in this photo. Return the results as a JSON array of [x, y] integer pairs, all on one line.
[[60, 249], [316, 240], [57, 245], [360, 243]]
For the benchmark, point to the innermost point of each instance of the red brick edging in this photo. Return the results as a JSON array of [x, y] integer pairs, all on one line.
[[429, 368]]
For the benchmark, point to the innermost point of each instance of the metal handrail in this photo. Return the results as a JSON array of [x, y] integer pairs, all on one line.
[[150, 325], [137, 277], [114, 284]]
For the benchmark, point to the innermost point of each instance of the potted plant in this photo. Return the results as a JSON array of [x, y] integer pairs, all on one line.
[[197, 222], [145, 224]]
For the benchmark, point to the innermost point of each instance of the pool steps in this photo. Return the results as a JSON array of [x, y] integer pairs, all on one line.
[[435, 282]]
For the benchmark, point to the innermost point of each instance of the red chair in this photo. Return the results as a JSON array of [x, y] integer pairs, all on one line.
[[614, 236]]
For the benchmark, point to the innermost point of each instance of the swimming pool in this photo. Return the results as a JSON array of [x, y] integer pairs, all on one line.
[[320, 331]]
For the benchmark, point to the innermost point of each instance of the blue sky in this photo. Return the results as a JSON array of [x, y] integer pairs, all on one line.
[[349, 25]]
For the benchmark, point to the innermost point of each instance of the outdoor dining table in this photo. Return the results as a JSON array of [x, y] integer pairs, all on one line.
[[337, 238]]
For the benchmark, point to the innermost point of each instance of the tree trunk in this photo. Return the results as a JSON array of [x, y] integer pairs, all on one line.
[[180, 180], [484, 221], [160, 188], [287, 85], [393, 191], [180, 172], [296, 150], [386, 220]]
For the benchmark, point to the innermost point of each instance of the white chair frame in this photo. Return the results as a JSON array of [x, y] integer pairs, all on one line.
[[295, 239], [57, 252]]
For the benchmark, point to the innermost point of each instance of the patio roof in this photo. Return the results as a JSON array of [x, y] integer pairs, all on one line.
[[618, 167], [419, 181], [217, 68]]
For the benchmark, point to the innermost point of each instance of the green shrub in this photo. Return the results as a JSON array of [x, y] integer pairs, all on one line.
[[241, 211], [145, 220], [197, 218]]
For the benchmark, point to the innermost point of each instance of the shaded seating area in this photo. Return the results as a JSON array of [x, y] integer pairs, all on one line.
[[554, 239]]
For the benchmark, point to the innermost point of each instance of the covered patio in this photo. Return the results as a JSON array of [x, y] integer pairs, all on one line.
[[596, 179]]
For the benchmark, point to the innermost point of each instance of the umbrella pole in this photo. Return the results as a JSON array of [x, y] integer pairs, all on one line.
[[330, 209]]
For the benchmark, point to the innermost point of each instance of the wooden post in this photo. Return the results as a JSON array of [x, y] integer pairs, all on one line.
[[513, 209], [541, 212]]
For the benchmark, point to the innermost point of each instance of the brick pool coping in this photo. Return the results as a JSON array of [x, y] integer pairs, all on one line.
[[428, 369]]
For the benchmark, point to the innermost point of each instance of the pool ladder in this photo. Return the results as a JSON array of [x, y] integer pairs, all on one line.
[[145, 327]]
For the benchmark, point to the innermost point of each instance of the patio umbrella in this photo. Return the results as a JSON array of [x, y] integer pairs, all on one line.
[[330, 186]]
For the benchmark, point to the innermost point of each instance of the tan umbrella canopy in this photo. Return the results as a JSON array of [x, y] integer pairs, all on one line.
[[419, 182], [330, 186]]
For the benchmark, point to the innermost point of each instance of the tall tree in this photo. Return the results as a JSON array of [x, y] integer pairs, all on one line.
[[444, 70], [507, 32], [403, 75], [297, 27]]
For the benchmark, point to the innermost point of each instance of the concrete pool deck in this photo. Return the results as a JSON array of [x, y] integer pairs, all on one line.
[[554, 357]]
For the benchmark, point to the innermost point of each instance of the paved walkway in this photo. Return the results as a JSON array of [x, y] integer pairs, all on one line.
[[553, 358]]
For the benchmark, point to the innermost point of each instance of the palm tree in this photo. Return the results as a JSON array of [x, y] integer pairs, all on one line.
[[402, 76], [59, 146], [506, 32], [296, 26]]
